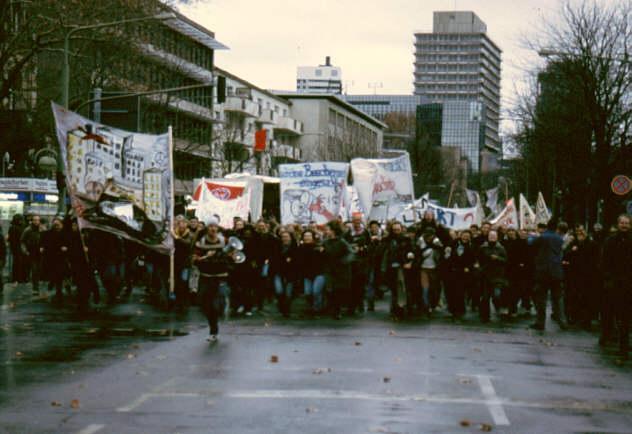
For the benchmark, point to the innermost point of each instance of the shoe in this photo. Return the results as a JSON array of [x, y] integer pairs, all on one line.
[[537, 326], [212, 338]]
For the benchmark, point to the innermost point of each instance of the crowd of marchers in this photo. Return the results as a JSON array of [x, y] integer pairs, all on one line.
[[344, 268]]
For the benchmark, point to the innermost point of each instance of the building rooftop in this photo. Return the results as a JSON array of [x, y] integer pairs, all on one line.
[[335, 99]]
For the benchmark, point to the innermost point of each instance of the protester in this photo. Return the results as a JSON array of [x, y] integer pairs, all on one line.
[[312, 269], [31, 245], [461, 269], [183, 240], [398, 255], [548, 275], [493, 261], [283, 267], [54, 248], [617, 271], [18, 267], [338, 257], [213, 265], [358, 237]]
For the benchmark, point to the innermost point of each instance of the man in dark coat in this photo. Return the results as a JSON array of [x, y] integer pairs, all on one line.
[[358, 237], [55, 248], [617, 271], [548, 276], [493, 261], [32, 250]]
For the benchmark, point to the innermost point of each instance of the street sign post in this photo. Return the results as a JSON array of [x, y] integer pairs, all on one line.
[[621, 185]]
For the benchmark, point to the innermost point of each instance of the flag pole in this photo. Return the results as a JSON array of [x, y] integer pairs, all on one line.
[[171, 207]]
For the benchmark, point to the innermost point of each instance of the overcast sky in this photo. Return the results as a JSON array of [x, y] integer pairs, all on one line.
[[371, 40]]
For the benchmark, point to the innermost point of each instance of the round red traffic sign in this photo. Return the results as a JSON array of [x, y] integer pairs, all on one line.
[[621, 185]]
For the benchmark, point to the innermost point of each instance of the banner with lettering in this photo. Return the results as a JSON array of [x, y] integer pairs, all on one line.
[[452, 218], [527, 215], [508, 216], [222, 200], [384, 186], [118, 181], [312, 191]]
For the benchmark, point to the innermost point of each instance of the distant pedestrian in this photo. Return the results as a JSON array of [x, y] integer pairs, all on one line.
[[30, 242]]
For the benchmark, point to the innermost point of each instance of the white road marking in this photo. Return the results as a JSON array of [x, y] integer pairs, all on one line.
[[491, 399], [91, 429], [146, 396]]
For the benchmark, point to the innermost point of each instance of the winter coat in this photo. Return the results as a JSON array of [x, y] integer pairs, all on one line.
[[493, 269], [310, 260], [616, 260]]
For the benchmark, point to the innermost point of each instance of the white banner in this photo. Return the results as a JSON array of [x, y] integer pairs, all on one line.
[[384, 186], [118, 181], [508, 216], [254, 186], [527, 215], [312, 191], [542, 214], [452, 218], [222, 200]]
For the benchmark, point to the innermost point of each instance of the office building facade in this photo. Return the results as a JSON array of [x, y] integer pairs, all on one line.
[[459, 62]]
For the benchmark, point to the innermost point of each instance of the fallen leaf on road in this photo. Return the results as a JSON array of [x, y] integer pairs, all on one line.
[[357, 344], [397, 360], [11, 305], [465, 380], [485, 427], [465, 423], [387, 379], [476, 350], [274, 359], [266, 324], [318, 371], [161, 357], [311, 410], [378, 429], [55, 404], [131, 356], [135, 346], [392, 333], [74, 403], [18, 354]]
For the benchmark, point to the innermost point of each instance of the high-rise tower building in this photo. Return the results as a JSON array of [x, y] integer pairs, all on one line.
[[459, 62], [322, 79]]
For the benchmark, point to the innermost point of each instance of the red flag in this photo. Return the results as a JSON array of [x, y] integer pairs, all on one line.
[[260, 140]]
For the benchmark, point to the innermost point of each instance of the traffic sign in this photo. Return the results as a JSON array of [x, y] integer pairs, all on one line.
[[621, 185]]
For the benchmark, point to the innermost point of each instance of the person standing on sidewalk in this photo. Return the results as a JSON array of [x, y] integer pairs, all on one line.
[[14, 236], [548, 276], [617, 271], [31, 242], [55, 248]]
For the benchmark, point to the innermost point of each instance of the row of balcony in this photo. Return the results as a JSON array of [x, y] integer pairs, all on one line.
[[249, 108]]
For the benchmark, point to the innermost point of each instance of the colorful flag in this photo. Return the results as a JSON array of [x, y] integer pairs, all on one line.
[[527, 215], [542, 214]]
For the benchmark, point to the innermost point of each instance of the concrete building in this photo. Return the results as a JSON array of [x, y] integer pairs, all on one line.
[[459, 62], [247, 109], [322, 79], [335, 130]]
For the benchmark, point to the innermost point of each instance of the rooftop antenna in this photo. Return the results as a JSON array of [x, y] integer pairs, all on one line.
[[375, 86]]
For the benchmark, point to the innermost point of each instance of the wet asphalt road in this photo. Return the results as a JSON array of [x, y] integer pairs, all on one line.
[[133, 368]]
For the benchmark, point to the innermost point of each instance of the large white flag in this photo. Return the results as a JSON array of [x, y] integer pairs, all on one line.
[[222, 200], [508, 216], [384, 186], [472, 197], [492, 199], [527, 215], [542, 214], [312, 191]]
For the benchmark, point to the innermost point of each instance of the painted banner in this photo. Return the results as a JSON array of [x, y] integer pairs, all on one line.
[[508, 216], [452, 218], [527, 215], [222, 200], [352, 204], [542, 214], [118, 181], [312, 191], [384, 186]]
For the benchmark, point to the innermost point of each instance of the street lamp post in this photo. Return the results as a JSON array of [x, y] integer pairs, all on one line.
[[65, 79]]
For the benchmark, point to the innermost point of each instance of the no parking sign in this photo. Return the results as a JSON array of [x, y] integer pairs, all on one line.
[[621, 185]]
